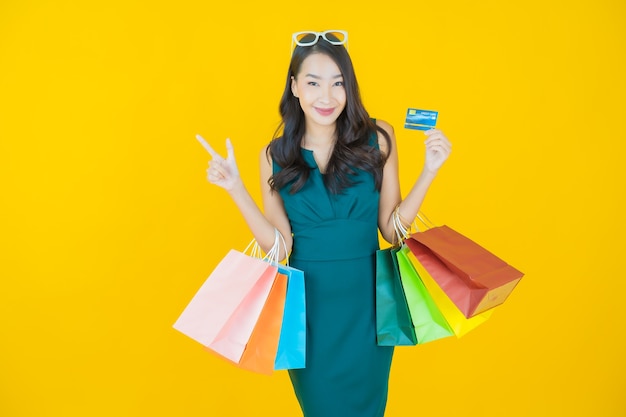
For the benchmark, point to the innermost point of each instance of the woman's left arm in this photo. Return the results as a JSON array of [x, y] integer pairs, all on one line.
[[438, 149]]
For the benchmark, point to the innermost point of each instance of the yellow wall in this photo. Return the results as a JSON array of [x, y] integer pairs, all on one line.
[[108, 225]]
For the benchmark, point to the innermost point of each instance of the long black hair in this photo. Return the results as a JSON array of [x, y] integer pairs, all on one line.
[[355, 129]]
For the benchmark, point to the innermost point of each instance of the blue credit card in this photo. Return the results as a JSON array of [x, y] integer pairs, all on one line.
[[420, 119]]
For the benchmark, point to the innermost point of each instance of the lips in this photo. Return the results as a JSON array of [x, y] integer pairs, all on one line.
[[325, 112]]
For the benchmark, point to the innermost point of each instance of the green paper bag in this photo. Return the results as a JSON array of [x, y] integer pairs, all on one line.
[[393, 320], [428, 321]]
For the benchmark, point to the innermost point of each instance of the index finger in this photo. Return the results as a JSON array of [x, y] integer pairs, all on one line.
[[206, 146]]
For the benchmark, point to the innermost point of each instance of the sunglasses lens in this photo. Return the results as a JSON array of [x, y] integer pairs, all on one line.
[[305, 38], [336, 37]]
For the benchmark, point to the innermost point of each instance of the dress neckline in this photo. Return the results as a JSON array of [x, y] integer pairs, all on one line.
[[312, 161]]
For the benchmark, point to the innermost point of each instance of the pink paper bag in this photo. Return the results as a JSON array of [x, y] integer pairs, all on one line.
[[239, 284], [260, 351]]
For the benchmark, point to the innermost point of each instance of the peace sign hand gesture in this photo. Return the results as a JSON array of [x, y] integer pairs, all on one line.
[[222, 171]]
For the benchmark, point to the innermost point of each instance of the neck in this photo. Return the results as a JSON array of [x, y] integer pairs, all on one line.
[[319, 136]]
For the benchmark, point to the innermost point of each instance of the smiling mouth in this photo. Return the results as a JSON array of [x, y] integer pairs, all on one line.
[[325, 112]]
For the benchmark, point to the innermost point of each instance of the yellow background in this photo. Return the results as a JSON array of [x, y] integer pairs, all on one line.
[[109, 227]]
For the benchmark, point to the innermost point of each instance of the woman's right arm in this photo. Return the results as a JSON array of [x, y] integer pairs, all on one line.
[[223, 172], [273, 205]]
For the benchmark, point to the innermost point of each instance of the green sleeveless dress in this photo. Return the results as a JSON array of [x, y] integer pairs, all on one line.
[[335, 243]]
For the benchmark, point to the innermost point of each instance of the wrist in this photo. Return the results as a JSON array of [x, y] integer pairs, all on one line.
[[237, 188], [428, 174]]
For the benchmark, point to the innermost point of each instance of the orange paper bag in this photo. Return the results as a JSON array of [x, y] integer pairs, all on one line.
[[260, 352]]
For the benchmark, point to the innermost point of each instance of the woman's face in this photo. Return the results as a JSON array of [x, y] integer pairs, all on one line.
[[319, 87]]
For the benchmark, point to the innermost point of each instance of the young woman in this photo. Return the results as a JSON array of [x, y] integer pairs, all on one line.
[[330, 183]]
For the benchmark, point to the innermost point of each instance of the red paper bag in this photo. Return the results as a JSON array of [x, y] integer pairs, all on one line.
[[423, 260], [479, 280]]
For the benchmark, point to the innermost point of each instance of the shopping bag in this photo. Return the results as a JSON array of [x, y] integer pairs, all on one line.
[[457, 321], [291, 352], [428, 321], [226, 308], [260, 351], [238, 280], [393, 319], [483, 280]]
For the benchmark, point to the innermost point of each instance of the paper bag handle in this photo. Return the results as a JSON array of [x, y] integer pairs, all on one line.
[[402, 231], [272, 255]]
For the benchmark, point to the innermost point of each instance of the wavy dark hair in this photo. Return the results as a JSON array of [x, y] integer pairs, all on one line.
[[353, 148]]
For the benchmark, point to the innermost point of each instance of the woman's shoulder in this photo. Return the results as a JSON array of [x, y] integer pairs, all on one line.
[[265, 156], [387, 127], [385, 142], [271, 146], [264, 152], [273, 155]]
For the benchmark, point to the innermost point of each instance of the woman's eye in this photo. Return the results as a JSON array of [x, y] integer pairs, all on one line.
[[312, 83], [339, 84]]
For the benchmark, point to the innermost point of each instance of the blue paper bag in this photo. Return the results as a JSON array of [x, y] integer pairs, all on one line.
[[291, 352]]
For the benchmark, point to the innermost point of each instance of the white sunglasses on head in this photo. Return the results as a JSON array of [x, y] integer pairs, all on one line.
[[310, 38]]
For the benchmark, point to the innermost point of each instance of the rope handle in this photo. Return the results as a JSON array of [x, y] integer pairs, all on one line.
[[402, 231], [272, 255], [425, 220]]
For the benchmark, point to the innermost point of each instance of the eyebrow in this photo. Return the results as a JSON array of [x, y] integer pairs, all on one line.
[[317, 77]]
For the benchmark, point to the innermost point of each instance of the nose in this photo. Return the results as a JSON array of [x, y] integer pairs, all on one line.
[[325, 94]]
